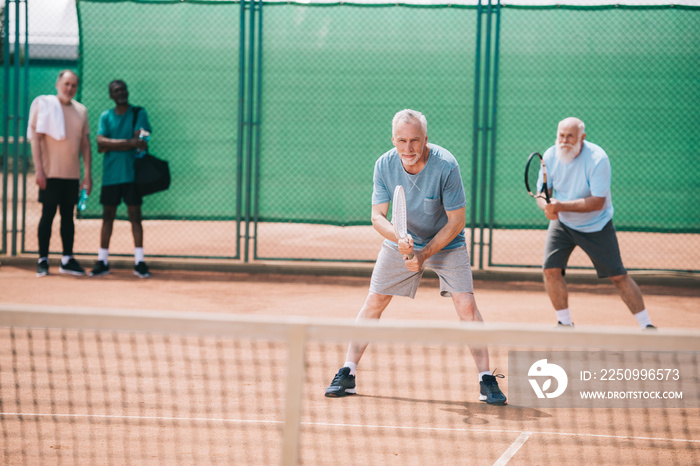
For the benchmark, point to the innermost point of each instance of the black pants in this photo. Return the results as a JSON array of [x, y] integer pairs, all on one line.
[[59, 195]]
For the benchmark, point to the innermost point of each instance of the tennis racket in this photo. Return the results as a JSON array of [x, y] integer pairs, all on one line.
[[398, 215], [532, 174]]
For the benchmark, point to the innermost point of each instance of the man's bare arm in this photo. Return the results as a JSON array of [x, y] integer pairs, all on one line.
[[454, 226], [105, 144], [587, 204], [86, 151], [38, 159], [381, 223]]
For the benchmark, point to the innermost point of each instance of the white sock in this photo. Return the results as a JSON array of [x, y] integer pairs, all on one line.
[[103, 255], [138, 255], [643, 318], [564, 316], [352, 366], [482, 374], [65, 259], [43, 259]]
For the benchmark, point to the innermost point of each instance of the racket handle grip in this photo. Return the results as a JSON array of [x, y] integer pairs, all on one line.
[[409, 257]]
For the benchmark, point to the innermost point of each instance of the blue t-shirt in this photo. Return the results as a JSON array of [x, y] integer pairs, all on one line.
[[429, 194], [587, 175], [118, 166]]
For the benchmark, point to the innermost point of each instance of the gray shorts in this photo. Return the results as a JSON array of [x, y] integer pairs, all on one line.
[[600, 246], [391, 277]]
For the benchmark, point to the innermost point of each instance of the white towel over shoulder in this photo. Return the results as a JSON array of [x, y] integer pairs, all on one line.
[[49, 119]]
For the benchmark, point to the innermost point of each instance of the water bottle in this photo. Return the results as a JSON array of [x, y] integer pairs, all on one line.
[[144, 136], [82, 200]]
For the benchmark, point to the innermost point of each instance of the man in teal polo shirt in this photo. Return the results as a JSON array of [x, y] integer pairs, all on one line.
[[118, 138]]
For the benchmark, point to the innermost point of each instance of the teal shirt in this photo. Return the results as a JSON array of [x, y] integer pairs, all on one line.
[[118, 166]]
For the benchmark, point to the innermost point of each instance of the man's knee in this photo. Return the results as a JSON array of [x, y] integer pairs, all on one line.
[[466, 308], [620, 279], [134, 213], [465, 301], [374, 306], [109, 212], [553, 274]]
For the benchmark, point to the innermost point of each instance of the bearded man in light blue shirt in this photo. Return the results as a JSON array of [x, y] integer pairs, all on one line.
[[435, 212], [580, 214]]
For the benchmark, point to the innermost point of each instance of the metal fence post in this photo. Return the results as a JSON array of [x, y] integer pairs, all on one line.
[[5, 119], [25, 144], [475, 136], [258, 122], [485, 136], [494, 107]]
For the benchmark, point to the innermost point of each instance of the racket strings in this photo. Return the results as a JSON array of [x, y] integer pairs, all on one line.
[[536, 177]]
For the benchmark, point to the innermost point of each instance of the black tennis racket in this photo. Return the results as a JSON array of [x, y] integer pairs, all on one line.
[[532, 173]]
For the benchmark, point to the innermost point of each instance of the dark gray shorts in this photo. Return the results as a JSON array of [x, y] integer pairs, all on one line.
[[600, 246], [391, 277]]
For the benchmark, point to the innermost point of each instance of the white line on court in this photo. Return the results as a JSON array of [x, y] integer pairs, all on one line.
[[512, 449], [366, 426]]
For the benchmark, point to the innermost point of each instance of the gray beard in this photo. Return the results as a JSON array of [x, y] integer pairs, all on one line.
[[565, 154]]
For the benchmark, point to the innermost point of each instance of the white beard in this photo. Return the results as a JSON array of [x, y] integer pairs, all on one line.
[[567, 153]]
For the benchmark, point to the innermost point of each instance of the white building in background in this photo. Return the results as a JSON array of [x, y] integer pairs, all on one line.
[[53, 24], [53, 29]]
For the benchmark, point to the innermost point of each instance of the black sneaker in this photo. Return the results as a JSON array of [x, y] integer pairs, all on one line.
[[559, 324], [650, 327], [343, 384], [100, 268], [72, 267], [141, 270], [43, 269], [490, 393]]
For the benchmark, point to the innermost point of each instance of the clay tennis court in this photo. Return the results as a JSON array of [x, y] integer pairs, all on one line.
[[397, 422], [400, 419]]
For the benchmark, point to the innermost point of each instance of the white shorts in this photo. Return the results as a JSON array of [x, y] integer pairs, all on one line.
[[391, 277]]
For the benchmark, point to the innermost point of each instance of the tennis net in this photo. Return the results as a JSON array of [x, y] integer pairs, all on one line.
[[89, 386]]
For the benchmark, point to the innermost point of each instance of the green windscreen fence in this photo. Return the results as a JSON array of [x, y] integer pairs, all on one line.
[[181, 63], [272, 115], [633, 76], [333, 78]]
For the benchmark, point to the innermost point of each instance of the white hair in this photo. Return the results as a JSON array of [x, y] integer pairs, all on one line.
[[409, 116], [581, 126]]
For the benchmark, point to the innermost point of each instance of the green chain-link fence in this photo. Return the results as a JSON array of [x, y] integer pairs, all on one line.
[[273, 114], [632, 75]]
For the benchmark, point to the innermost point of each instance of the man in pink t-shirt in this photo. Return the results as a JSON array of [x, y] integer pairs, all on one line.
[[56, 148]]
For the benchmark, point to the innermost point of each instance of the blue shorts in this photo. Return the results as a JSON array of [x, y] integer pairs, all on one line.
[[600, 246], [391, 277]]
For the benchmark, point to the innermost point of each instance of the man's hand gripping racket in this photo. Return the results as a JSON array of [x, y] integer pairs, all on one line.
[[398, 217], [536, 173]]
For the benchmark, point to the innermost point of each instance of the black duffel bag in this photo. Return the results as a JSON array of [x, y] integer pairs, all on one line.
[[151, 174]]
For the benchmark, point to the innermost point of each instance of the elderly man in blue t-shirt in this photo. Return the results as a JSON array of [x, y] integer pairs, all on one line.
[[118, 138], [435, 205], [580, 214]]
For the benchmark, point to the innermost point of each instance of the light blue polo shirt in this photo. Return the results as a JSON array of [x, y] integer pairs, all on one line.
[[118, 166], [429, 194], [588, 175]]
